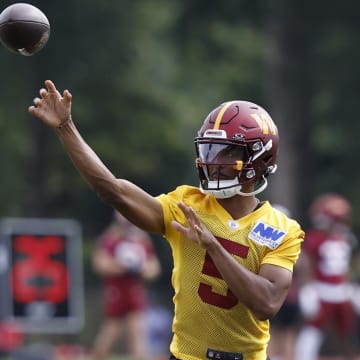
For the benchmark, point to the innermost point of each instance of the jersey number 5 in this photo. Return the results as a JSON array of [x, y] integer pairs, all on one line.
[[205, 291]]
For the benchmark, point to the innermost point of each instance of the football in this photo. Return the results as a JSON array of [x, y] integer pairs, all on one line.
[[24, 29], [130, 255]]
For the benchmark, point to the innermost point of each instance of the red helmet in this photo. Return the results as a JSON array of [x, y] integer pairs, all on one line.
[[330, 208], [245, 132]]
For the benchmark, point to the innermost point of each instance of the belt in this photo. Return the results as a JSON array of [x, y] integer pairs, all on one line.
[[219, 355], [223, 355]]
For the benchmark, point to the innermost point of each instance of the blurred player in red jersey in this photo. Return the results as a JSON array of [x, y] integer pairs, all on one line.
[[233, 254], [125, 259], [327, 299]]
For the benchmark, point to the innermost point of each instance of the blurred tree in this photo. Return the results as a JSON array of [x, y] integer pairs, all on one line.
[[310, 85], [289, 89]]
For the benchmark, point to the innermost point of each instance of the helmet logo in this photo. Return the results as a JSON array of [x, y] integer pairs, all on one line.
[[265, 123]]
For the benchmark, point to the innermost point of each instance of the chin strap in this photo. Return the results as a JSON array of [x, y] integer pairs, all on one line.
[[262, 187], [230, 192]]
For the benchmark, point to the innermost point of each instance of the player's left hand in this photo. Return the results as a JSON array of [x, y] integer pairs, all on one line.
[[195, 230]]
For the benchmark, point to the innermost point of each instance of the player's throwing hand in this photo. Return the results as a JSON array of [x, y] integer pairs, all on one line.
[[51, 107]]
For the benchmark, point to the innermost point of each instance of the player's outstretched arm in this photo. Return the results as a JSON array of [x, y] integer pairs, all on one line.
[[54, 109]]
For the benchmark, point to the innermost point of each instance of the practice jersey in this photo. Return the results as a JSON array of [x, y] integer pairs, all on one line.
[[207, 314], [125, 293], [332, 290], [331, 252]]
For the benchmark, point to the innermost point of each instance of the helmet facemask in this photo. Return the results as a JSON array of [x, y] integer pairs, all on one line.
[[215, 158]]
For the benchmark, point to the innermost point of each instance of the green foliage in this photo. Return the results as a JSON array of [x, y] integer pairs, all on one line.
[[141, 90], [144, 74]]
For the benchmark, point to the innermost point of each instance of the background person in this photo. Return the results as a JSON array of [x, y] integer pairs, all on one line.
[[326, 300], [125, 259]]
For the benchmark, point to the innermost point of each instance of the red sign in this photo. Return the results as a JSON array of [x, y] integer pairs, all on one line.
[[43, 271]]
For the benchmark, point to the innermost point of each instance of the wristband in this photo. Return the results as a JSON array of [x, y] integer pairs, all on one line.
[[64, 123]]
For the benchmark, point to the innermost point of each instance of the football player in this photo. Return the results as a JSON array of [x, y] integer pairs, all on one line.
[[233, 254], [125, 260], [327, 298]]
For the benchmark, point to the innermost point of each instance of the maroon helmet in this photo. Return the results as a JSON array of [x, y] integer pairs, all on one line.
[[330, 208], [248, 137]]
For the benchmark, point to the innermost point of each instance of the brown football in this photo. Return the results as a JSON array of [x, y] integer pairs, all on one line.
[[24, 29]]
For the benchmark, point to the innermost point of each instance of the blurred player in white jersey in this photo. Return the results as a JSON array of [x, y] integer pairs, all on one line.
[[327, 299]]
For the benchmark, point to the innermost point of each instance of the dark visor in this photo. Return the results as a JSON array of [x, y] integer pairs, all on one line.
[[221, 153]]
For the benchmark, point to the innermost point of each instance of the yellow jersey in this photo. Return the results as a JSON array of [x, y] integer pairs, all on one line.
[[206, 312]]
